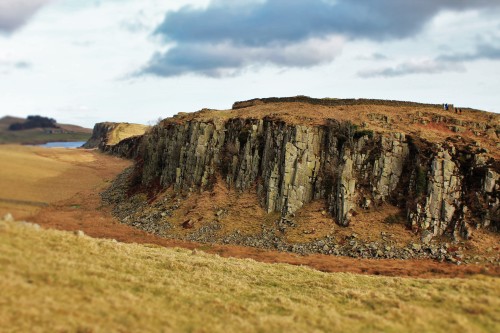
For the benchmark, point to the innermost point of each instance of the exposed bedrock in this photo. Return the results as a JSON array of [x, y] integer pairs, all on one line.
[[100, 135], [441, 188], [121, 139]]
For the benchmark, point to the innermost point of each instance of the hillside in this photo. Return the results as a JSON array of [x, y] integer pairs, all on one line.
[[362, 178], [106, 135], [64, 133], [59, 188], [34, 177], [58, 281]]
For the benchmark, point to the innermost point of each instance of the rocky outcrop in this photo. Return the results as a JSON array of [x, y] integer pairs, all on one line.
[[443, 189], [126, 148], [443, 202], [491, 195], [369, 171], [121, 139], [100, 135], [326, 102]]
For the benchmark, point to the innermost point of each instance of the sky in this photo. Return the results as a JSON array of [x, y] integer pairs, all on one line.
[[88, 61]]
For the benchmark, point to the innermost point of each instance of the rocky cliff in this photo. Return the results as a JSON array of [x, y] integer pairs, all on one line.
[[354, 156], [117, 138]]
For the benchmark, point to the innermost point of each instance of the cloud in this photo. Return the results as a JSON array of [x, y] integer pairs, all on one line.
[[7, 66], [15, 13], [376, 56], [482, 52], [263, 22], [226, 59], [207, 40], [422, 66], [454, 62]]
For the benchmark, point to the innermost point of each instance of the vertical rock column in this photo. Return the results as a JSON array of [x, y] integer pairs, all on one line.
[[369, 169], [443, 197], [388, 167], [491, 188], [290, 166], [302, 165], [182, 155], [241, 153], [346, 190]]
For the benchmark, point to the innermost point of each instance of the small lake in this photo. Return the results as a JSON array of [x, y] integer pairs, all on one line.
[[76, 144]]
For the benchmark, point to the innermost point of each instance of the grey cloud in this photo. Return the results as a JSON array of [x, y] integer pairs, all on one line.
[[264, 22], [379, 56], [450, 62], [414, 67], [482, 52], [376, 56], [228, 60], [14, 14], [22, 65], [277, 24]]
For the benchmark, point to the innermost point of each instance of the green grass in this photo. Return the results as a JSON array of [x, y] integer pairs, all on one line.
[[52, 281]]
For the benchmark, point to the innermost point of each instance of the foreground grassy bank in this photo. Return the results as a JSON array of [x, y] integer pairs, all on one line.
[[53, 281]]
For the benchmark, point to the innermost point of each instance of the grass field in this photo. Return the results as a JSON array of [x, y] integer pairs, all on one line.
[[53, 281], [34, 175]]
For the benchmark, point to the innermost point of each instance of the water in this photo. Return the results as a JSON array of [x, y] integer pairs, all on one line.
[[76, 144]]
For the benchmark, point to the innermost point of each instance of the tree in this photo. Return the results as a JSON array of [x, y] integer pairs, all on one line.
[[34, 122]]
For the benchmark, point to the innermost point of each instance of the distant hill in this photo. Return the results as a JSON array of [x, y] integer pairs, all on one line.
[[38, 135], [6, 121]]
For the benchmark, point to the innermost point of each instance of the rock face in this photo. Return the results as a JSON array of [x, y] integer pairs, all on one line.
[[126, 148], [444, 196], [121, 139], [100, 135], [442, 187]]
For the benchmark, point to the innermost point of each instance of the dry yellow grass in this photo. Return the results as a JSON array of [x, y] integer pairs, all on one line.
[[124, 131], [52, 281], [41, 175]]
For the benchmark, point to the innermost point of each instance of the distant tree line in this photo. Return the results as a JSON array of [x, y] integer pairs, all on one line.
[[34, 122]]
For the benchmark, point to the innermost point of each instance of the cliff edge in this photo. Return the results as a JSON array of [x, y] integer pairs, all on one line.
[[107, 135], [280, 160]]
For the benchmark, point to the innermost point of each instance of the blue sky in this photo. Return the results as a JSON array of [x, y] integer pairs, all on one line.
[[121, 60]]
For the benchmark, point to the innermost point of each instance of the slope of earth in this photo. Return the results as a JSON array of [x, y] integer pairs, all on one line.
[[71, 201], [225, 216], [363, 178], [85, 212], [51, 280], [34, 177], [66, 133]]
